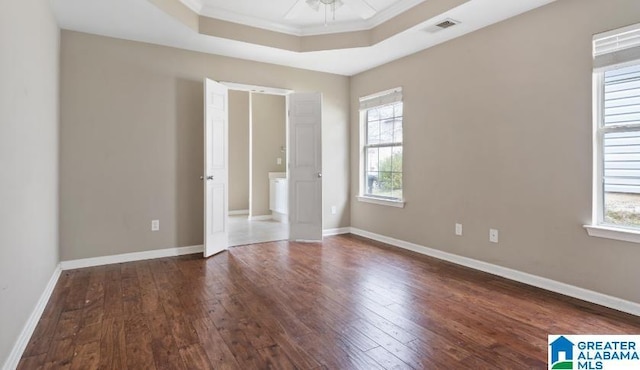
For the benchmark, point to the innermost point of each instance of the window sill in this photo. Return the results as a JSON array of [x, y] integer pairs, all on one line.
[[612, 232], [382, 202]]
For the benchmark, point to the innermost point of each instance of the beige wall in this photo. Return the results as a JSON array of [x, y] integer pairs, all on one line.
[[498, 134], [238, 150], [131, 141], [29, 49], [268, 131]]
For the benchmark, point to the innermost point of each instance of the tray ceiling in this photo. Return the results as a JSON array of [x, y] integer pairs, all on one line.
[[271, 14], [144, 21]]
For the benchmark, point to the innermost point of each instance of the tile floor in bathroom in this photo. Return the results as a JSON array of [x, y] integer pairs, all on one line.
[[242, 231]]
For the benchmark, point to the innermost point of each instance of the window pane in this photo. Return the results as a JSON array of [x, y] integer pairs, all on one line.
[[622, 209], [372, 159], [622, 178], [383, 177], [386, 131], [372, 182], [371, 174], [384, 182], [397, 185], [396, 161], [397, 130], [622, 96], [398, 109], [386, 112], [373, 114], [383, 166], [373, 132], [385, 159]]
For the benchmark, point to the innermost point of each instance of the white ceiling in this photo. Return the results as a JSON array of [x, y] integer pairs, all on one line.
[[140, 20], [271, 14]]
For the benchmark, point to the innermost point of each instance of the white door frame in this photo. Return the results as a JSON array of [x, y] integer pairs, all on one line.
[[272, 91]]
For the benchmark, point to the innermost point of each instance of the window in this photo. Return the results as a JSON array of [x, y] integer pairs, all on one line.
[[616, 85], [381, 143]]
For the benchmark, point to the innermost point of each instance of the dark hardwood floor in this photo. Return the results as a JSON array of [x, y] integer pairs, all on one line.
[[348, 303]]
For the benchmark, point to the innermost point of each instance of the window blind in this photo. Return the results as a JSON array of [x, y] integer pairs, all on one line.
[[617, 47], [382, 98]]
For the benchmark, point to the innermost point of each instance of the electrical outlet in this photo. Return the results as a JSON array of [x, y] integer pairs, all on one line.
[[459, 229], [279, 161], [334, 210], [155, 225], [493, 235]]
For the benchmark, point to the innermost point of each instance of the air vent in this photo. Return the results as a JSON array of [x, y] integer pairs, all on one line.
[[446, 24], [442, 25]]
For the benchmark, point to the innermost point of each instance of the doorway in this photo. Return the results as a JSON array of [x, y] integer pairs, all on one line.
[[300, 203], [257, 170]]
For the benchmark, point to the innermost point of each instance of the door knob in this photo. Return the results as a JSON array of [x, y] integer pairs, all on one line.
[[319, 174], [201, 178]]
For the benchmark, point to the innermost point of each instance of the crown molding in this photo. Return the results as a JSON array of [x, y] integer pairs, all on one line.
[[380, 17], [247, 20], [391, 12], [362, 25], [335, 27]]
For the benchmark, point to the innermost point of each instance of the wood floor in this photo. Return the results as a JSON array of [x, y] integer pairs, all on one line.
[[347, 303]]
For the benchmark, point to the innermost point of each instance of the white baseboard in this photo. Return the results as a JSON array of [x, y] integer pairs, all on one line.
[[280, 217], [338, 231], [239, 212], [130, 257], [27, 331], [260, 218], [523, 277], [537, 281]]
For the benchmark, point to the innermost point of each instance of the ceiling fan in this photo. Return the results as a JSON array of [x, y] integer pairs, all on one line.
[[360, 7]]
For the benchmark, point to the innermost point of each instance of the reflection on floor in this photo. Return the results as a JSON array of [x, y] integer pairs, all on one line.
[[242, 231]]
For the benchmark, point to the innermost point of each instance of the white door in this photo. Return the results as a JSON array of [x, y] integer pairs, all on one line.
[[305, 166], [216, 167]]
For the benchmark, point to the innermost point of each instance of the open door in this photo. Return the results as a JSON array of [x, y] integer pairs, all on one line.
[[305, 166], [216, 167]]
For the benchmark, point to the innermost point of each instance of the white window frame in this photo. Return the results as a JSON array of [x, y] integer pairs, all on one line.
[[387, 97], [612, 50]]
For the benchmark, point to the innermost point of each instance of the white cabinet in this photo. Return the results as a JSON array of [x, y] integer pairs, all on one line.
[[278, 196]]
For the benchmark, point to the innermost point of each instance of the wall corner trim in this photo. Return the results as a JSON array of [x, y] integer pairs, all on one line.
[[27, 331], [130, 257], [519, 276]]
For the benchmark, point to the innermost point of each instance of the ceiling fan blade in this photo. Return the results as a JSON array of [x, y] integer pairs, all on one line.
[[295, 10], [361, 7]]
